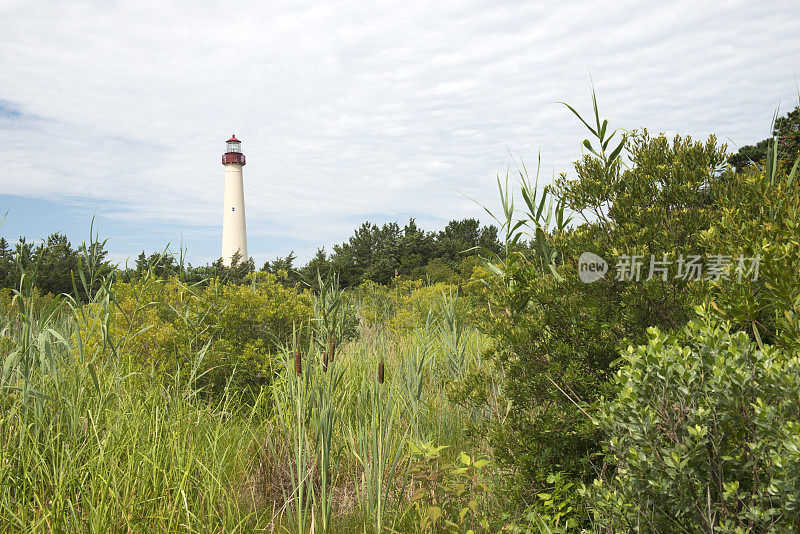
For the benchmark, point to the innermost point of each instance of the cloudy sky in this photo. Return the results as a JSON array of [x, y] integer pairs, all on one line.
[[347, 111]]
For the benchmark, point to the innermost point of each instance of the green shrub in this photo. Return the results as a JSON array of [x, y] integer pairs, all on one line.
[[702, 436], [553, 511], [165, 323], [555, 336], [447, 496], [750, 227]]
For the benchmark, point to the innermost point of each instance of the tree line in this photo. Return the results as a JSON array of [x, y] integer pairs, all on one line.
[[374, 252], [380, 253], [52, 264]]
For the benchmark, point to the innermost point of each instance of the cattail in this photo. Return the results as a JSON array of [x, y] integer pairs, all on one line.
[[298, 362], [331, 346], [380, 372]]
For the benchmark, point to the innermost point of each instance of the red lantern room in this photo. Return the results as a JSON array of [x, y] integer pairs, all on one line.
[[233, 153]]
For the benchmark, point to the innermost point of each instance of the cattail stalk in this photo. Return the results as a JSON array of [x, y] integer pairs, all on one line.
[[298, 362], [332, 347], [328, 353]]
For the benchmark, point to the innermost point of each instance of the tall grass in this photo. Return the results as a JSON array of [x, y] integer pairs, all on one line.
[[91, 439], [378, 444], [293, 402], [104, 452], [89, 442], [414, 370]]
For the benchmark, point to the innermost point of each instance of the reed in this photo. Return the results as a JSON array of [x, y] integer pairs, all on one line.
[[452, 329], [328, 401], [377, 442], [293, 400], [92, 439]]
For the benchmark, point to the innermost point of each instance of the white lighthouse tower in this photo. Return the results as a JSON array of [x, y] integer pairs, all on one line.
[[234, 235]]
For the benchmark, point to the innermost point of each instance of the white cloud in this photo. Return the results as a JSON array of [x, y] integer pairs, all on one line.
[[356, 109]]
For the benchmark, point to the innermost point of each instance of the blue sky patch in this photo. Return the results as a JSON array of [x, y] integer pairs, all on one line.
[[9, 111]]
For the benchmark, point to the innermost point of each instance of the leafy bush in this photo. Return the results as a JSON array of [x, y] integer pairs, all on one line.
[[553, 511], [447, 496], [766, 304], [703, 436], [164, 323], [555, 336], [38, 302]]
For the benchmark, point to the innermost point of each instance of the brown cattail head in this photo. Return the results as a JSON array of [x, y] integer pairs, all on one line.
[[332, 347], [298, 362], [380, 372]]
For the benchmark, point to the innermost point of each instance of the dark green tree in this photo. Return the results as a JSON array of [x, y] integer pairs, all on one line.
[[372, 253], [457, 238], [786, 130], [238, 271], [417, 248], [8, 267], [319, 263], [58, 263], [141, 263], [280, 264]]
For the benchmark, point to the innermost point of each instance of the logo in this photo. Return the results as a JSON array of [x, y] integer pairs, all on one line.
[[591, 267]]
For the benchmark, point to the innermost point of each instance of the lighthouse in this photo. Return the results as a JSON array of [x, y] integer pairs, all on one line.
[[234, 235]]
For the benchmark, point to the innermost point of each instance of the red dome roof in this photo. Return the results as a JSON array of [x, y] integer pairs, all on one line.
[[233, 139]]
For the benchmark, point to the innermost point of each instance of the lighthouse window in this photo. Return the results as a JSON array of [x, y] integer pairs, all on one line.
[[233, 208]]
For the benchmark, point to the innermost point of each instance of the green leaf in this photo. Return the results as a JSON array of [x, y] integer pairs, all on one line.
[[434, 513], [579, 117], [541, 207], [615, 152], [588, 145], [94, 378], [464, 511], [596, 112]]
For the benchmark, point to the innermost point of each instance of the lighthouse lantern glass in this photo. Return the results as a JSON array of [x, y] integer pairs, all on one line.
[[234, 146]]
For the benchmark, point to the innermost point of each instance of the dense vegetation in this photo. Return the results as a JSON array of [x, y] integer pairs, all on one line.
[[375, 253], [464, 380], [381, 253]]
